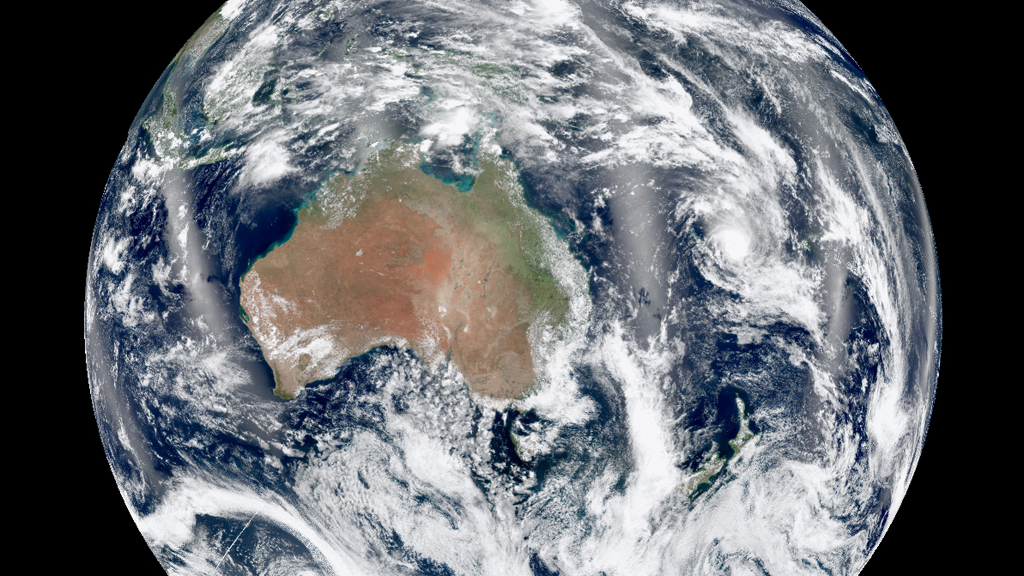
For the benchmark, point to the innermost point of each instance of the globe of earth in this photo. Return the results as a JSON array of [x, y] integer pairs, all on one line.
[[518, 288]]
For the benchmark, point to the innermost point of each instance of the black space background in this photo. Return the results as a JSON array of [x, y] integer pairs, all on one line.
[[913, 56]]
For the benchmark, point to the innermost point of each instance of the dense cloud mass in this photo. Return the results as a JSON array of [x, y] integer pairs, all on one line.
[[745, 373]]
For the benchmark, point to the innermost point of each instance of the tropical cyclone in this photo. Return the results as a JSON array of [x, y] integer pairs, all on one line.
[[394, 256]]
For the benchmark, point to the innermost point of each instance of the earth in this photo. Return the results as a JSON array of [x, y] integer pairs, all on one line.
[[547, 288]]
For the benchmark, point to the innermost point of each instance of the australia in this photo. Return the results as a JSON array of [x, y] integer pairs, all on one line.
[[393, 256]]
